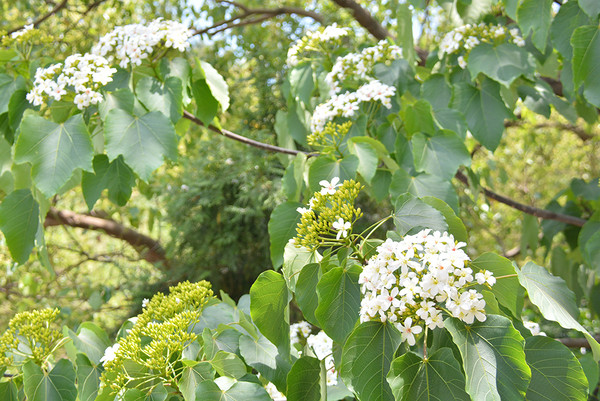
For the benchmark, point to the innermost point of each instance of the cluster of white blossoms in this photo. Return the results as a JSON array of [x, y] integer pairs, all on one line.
[[411, 282], [130, 44], [312, 40], [321, 345], [468, 36], [83, 75], [359, 66], [346, 104]]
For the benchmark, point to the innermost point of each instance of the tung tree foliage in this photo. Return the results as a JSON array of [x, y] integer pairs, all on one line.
[[389, 309]]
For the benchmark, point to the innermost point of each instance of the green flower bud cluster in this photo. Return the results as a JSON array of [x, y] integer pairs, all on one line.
[[27, 35], [329, 139], [320, 223], [31, 334], [148, 353]]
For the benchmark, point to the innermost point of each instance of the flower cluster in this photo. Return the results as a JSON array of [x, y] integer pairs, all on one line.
[[331, 213], [83, 75], [468, 36], [158, 337], [21, 32], [130, 44], [32, 335], [412, 282], [359, 66], [330, 138], [313, 41], [321, 345], [346, 104]]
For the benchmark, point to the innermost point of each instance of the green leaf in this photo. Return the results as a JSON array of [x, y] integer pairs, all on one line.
[[507, 289], [366, 359], [591, 7], [325, 168], [282, 227], [418, 118], [165, 97], [55, 151], [455, 224], [586, 62], [452, 120], [367, 157], [529, 233], [16, 108], [554, 299], [192, 376], [535, 16], [591, 370], [57, 385], [8, 391], [90, 340], [116, 176], [503, 63], [228, 364], [303, 381], [143, 141], [294, 259], [207, 104], [405, 39], [339, 301], [269, 298], [88, 378], [412, 213], [493, 358], [437, 378], [484, 111], [217, 85], [436, 91], [306, 291], [8, 86], [570, 16], [263, 356], [423, 185], [301, 82], [120, 99], [19, 214], [440, 155], [555, 372]]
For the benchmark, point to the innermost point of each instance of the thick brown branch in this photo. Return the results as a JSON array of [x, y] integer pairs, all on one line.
[[43, 18], [148, 248], [576, 342], [364, 18], [534, 211]]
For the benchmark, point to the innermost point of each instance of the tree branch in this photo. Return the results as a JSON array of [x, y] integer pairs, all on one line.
[[534, 211], [148, 248], [365, 19], [580, 132], [262, 14], [243, 139], [576, 342], [43, 18]]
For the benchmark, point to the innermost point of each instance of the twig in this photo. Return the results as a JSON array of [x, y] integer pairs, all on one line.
[[534, 211], [43, 18]]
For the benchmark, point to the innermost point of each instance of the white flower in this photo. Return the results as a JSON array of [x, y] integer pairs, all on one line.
[[342, 227], [329, 188], [145, 302], [485, 277], [408, 331], [110, 353], [312, 40], [461, 62]]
